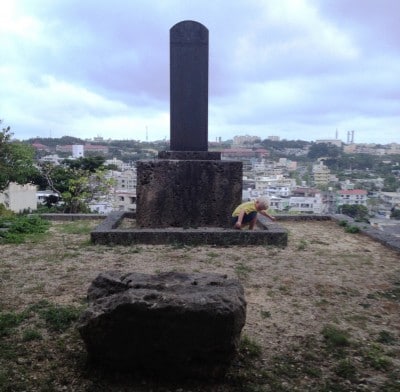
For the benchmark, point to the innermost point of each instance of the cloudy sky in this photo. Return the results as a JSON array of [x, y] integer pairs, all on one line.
[[298, 69]]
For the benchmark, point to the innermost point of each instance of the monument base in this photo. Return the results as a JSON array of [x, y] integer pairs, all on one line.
[[187, 193], [113, 231]]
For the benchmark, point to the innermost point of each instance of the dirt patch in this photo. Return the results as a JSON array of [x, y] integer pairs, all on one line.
[[324, 277]]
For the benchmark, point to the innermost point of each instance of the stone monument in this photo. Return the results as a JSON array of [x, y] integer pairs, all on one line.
[[188, 194], [188, 186]]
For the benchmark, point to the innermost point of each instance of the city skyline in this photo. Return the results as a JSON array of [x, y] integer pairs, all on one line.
[[297, 69]]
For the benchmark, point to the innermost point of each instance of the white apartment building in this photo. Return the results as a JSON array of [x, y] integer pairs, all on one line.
[[263, 182], [53, 159], [121, 165], [77, 151], [307, 204], [19, 198], [278, 191], [125, 180], [352, 196], [278, 203], [124, 196]]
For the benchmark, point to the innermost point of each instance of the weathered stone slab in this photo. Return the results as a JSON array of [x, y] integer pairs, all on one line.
[[180, 193], [170, 324], [190, 155]]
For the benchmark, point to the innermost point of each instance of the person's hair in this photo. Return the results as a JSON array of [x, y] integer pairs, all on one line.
[[263, 202]]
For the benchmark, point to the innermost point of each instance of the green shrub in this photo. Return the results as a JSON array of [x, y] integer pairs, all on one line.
[[352, 229], [250, 347], [31, 334], [58, 317], [18, 227], [386, 337], [346, 369], [9, 321], [335, 337]]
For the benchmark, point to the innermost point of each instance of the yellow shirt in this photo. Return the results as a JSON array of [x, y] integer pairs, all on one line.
[[248, 207]]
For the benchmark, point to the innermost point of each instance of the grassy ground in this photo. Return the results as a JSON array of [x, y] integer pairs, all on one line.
[[323, 314]]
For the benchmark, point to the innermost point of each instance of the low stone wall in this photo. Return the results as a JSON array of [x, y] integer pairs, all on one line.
[[108, 232], [72, 217]]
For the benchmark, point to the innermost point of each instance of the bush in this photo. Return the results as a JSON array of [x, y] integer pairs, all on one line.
[[18, 227], [356, 211], [352, 229]]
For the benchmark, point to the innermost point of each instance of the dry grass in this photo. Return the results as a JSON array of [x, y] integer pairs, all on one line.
[[323, 313]]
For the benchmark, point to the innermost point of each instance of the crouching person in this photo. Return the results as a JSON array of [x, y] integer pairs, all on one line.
[[246, 213]]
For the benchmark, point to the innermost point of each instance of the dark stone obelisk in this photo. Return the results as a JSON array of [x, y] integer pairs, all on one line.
[[188, 186], [189, 86]]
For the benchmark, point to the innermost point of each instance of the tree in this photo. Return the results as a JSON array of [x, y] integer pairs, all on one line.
[[323, 150], [391, 184], [356, 211], [395, 214], [77, 182], [16, 160]]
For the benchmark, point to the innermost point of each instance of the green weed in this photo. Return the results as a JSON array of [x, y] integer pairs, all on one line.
[[242, 270], [20, 227], [376, 357], [265, 314], [31, 334], [386, 337], [346, 369], [250, 347], [302, 245], [335, 337], [59, 317], [352, 229], [9, 321]]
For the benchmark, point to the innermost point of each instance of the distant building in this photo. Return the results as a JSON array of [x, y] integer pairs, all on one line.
[[125, 201], [391, 198], [309, 205], [305, 191], [42, 196], [19, 198], [352, 196], [321, 174], [335, 142], [274, 138], [88, 148], [54, 159], [246, 139], [40, 147], [243, 153], [77, 151]]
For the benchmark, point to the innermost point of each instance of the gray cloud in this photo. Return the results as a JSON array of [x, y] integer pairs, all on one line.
[[296, 69]]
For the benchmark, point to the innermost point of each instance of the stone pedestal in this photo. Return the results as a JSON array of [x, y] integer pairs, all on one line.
[[187, 193], [171, 325]]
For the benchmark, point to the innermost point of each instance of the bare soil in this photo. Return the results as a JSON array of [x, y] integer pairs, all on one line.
[[325, 280]]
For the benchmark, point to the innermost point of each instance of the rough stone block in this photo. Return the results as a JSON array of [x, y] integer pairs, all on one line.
[[170, 324], [187, 193]]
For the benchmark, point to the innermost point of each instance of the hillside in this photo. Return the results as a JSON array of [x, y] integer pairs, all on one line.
[[323, 314]]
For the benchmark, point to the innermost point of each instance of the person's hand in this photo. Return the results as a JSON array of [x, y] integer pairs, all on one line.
[[273, 218], [238, 225]]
